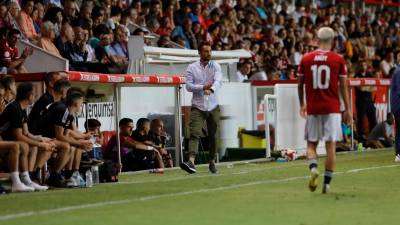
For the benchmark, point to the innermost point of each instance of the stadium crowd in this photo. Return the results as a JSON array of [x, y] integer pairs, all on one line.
[[45, 132], [93, 34]]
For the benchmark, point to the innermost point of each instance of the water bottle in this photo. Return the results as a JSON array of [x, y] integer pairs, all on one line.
[[95, 174], [206, 101], [89, 178], [360, 147]]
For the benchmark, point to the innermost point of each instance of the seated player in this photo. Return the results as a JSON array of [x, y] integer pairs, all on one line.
[[15, 154], [382, 136], [127, 145], [13, 123], [158, 137], [143, 159], [92, 127], [58, 124], [46, 99]]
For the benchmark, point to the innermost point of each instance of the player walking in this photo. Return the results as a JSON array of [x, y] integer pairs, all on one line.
[[324, 73]]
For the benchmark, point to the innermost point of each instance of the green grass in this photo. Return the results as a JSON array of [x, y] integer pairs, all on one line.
[[262, 193]]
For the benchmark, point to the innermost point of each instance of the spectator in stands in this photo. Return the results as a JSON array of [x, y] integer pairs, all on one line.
[[364, 102], [127, 144], [2, 103], [15, 154], [54, 15], [79, 53], [14, 128], [13, 12], [382, 135], [65, 40], [98, 15], [25, 21], [144, 159], [184, 31], [37, 16], [115, 17], [91, 56], [116, 64], [387, 63], [10, 55], [159, 138], [10, 90], [244, 71], [58, 124], [119, 47], [47, 38], [53, 2], [69, 11]]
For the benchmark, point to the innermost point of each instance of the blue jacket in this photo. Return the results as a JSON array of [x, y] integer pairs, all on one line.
[[395, 92]]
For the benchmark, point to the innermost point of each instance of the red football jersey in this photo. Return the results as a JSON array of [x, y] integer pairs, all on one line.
[[321, 70]]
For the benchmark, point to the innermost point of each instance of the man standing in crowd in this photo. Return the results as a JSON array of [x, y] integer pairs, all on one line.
[[395, 106], [203, 79], [364, 103], [324, 73]]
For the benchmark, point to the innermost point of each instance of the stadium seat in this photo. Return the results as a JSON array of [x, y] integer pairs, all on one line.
[[106, 137]]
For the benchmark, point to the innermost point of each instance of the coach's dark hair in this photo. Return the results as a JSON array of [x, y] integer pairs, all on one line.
[[202, 44], [7, 81], [61, 84], [73, 98], [24, 91], [140, 123], [125, 121]]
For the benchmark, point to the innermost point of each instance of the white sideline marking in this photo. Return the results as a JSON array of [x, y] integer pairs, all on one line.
[[194, 176], [151, 197]]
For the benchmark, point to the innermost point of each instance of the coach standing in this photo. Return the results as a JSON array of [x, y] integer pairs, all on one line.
[[395, 107], [203, 79]]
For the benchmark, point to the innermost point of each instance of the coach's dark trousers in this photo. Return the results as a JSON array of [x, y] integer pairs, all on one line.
[[197, 119], [365, 107]]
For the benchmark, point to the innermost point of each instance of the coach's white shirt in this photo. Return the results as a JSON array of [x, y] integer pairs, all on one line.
[[196, 77]]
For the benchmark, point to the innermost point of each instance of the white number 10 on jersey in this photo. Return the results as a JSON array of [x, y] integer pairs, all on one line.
[[317, 76]]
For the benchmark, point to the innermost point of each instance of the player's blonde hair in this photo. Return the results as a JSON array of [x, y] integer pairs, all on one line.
[[326, 34]]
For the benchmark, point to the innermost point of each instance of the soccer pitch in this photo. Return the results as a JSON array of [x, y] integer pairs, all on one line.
[[365, 190]]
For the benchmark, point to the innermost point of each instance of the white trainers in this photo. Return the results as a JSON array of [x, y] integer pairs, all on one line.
[[37, 187], [397, 159], [71, 182], [21, 187], [326, 189], [313, 183], [74, 181], [78, 179]]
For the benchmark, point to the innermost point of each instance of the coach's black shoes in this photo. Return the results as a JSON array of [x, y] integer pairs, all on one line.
[[188, 167], [212, 168]]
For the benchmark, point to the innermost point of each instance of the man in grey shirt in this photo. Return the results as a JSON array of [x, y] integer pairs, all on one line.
[[203, 79], [382, 134]]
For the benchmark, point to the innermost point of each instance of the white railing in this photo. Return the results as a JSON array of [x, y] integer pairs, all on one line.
[[41, 60]]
